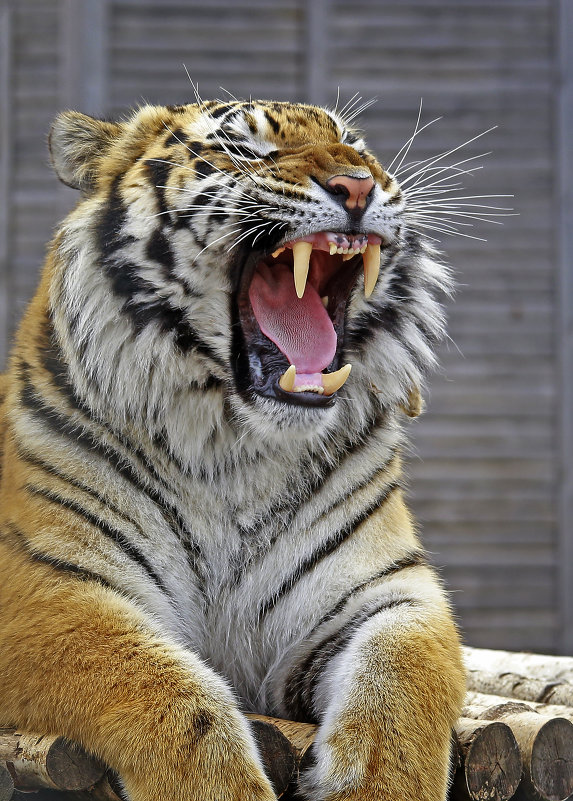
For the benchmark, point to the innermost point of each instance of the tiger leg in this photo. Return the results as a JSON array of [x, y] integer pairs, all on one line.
[[390, 697], [78, 659]]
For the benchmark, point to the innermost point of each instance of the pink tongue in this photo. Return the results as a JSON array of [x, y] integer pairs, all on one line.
[[299, 327]]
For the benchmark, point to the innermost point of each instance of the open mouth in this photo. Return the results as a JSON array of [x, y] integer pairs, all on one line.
[[292, 309]]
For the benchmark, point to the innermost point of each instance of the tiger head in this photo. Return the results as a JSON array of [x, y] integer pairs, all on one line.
[[256, 251]]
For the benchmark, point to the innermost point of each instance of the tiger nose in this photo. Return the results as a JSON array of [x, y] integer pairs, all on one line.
[[356, 190]]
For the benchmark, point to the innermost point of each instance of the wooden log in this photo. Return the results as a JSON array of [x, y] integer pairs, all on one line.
[[549, 710], [526, 688], [540, 666], [300, 735], [40, 761], [282, 745], [487, 752], [490, 764], [6, 784], [279, 755], [546, 745]]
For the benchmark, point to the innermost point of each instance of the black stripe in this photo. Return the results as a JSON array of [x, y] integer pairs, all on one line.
[[103, 527], [220, 111], [158, 248], [127, 282], [275, 125], [176, 137], [326, 549], [299, 673], [81, 573], [159, 171], [319, 471], [78, 435], [203, 168], [300, 687], [415, 559], [35, 461]]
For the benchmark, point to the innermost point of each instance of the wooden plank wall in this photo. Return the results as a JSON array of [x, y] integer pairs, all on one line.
[[485, 462]]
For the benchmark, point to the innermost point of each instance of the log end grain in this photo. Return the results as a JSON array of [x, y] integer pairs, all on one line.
[[552, 760], [70, 768], [492, 764], [278, 755]]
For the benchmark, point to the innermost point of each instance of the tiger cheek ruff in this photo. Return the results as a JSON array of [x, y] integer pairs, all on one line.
[[201, 424]]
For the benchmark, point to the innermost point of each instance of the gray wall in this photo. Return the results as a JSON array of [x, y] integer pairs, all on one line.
[[491, 460]]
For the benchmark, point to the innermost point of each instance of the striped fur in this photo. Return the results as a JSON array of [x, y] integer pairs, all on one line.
[[174, 547]]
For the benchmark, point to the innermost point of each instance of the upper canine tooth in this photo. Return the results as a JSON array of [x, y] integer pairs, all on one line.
[[333, 381], [286, 381], [301, 262], [371, 259]]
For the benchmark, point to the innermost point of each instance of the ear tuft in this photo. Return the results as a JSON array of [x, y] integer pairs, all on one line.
[[76, 144]]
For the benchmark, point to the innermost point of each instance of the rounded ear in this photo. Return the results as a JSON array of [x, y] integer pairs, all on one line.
[[76, 143], [414, 406]]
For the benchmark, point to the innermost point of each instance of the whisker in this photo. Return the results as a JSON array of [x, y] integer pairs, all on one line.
[[447, 153], [410, 141], [433, 171], [349, 118], [210, 245]]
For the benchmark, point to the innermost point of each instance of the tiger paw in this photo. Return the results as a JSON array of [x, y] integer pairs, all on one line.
[[362, 763], [211, 763]]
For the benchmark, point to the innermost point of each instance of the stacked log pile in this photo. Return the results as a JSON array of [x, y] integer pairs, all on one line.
[[514, 739]]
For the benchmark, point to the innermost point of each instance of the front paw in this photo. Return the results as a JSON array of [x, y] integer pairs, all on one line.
[[372, 763], [213, 760]]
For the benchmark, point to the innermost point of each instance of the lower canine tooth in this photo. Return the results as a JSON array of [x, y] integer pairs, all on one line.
[[333, 381], [371, 259], [301, 262], [286, 381]]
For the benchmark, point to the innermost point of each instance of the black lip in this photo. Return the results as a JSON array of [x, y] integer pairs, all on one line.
[[251, 347]]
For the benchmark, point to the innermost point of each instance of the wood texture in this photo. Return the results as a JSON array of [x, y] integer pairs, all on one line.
[[545, 743], [41, 761], [490, 761]]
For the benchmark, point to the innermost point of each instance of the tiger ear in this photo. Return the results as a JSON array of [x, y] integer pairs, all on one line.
[[76, 143], [414, 405]]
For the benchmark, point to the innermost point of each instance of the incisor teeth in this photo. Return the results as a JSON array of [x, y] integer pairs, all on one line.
[[333, 381], [332, 248], [277, 252], [371, 259], [286, 381], [301, 261]]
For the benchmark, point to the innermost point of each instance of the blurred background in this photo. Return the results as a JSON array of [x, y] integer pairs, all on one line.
[[491, 464]]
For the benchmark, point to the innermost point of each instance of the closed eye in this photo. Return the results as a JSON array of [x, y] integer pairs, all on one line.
[[244, 152]]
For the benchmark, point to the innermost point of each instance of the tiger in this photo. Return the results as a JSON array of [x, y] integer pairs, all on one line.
[[202, 495]]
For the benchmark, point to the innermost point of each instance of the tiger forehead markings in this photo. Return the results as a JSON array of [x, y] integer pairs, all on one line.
[[201, 489]]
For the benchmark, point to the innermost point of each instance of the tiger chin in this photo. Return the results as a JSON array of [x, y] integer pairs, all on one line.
[[201, 490]]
